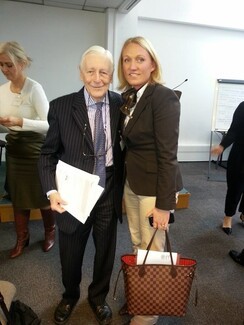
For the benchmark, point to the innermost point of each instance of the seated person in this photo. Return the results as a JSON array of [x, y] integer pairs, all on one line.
[[8, 290]]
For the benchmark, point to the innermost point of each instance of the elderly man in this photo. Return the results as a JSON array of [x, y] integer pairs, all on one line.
[[84, 131]]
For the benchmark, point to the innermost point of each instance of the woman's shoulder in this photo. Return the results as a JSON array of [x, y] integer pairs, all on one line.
[[239, 112], [160, 90], [32, 85], [241, 105], [32, 82], [5, 86]]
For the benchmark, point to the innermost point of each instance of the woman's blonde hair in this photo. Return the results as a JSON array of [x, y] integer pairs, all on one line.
[[15, 52], [156, 75]]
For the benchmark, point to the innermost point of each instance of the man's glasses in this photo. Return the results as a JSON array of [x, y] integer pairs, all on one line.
[[88, 155], [129, 98]]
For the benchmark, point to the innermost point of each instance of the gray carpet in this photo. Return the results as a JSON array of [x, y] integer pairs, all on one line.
[[196, 233]]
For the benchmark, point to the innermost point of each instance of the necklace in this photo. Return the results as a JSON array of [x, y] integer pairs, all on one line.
[[16, 88]]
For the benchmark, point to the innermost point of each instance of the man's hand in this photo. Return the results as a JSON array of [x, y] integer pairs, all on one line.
[[56, 201]]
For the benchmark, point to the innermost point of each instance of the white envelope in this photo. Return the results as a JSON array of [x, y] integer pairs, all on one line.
[[155, 257]]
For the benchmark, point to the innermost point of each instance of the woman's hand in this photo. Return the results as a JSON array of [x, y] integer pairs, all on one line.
[[160, 218], [9, 121], [217, 150]]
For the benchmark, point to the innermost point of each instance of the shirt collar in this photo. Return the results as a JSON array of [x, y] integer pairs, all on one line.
[[90, 102], [141, 91]]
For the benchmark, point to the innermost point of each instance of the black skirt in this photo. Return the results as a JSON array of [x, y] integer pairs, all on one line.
[[22, 177]]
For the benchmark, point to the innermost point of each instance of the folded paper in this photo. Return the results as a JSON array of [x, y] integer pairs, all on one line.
[[79, 189], [156, 257]]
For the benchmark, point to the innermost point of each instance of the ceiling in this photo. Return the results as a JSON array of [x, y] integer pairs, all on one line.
[[123, 6]]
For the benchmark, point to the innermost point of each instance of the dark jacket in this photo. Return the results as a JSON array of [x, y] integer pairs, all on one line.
[[68, 121], [151, 138]]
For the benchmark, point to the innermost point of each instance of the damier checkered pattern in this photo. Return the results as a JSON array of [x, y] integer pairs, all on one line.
[[157, 292]]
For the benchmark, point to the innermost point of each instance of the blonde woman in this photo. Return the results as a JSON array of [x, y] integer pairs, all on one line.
[[151, 130], [23, 115]]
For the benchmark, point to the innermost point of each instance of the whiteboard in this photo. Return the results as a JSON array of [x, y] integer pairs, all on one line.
[[229, 94]]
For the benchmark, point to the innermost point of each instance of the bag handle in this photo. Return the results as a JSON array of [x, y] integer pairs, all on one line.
[[4, 308], [173, 270]]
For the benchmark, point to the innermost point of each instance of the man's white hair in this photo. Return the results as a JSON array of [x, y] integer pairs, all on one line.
[[96, 49]]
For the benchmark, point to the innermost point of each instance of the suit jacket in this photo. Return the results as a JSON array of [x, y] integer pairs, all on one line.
[[68, 137], [151, 138]]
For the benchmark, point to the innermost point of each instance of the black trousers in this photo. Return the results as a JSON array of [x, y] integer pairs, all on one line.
[[103, 225], [235, 190]]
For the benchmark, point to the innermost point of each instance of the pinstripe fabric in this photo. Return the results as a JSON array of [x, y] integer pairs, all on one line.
[[91, 110], [67, 119]]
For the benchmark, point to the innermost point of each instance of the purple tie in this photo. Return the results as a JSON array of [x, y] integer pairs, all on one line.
[[99, 145]]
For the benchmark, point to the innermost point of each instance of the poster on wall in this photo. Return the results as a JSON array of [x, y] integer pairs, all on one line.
[[228, 95]]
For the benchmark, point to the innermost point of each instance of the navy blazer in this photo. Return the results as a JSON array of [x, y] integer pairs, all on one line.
[[151, 138], [68, 137]]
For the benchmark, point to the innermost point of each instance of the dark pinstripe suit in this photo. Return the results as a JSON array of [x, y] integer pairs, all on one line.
[[67, 119]]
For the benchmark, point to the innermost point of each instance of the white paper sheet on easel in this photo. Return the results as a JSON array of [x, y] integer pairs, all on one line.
[[79, 189], [155, 257]]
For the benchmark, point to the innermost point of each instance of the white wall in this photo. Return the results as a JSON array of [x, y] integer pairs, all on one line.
[[198, 40], [55, 38], [201, 40]]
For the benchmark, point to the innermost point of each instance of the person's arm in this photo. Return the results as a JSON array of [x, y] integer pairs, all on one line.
[[41, 106], [166, 115], [232, 133], [50, 152], [35, 106], [236, 127]]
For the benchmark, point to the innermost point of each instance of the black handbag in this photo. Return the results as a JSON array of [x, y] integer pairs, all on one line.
[[19, 313]]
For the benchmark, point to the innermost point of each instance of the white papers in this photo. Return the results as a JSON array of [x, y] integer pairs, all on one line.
[[78, 188], [155, 257]]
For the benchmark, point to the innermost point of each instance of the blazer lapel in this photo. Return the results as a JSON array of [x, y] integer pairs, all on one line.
[[80, 115], [140, 107], [114, 116]]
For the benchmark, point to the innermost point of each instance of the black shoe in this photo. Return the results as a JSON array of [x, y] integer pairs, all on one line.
[[64, 310], [227, 230], [103, 313], [237, 257]]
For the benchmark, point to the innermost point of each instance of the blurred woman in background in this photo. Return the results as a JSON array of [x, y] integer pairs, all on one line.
[[23, 114], [235, 168]]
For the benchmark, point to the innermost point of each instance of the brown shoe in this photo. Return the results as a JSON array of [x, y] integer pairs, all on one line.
[[22, 242], [21, 218]]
